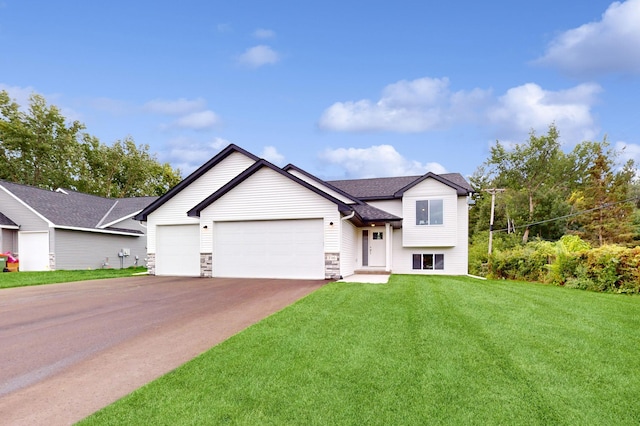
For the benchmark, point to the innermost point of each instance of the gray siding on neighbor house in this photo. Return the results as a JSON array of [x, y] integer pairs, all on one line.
[[20, 214], [8, 240], [89, 250]]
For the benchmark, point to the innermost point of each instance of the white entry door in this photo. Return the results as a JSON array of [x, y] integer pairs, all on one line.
[[33, 251], [373, 246]]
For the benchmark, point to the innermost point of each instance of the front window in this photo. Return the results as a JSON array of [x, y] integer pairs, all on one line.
[[429, 212], [428, 261]]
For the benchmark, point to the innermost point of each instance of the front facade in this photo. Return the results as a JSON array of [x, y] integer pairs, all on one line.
[[241, 216], [63, 229]]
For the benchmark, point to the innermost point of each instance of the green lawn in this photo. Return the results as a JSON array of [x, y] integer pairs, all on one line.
[[420, 350], [21, 279]]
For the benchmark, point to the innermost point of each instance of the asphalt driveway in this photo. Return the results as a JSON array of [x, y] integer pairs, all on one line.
[[67, 350]]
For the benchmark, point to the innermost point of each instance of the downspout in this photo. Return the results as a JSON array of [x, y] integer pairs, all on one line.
[[353, 213]]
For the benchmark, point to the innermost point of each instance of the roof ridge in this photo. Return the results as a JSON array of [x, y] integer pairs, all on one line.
[[107, 214]]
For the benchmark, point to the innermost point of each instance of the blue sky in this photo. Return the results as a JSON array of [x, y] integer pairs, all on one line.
[[342, 89]]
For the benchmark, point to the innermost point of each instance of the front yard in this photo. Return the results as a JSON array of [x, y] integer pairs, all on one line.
[[420, 350], [21, 279]]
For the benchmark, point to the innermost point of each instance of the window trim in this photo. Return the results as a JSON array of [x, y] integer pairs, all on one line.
[[420, 261], [424, 207]]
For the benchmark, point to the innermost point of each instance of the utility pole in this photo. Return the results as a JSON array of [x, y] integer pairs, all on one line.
[[493, 192]]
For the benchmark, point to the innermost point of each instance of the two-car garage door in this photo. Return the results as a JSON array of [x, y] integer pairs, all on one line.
[[269, 249], [247, 249]]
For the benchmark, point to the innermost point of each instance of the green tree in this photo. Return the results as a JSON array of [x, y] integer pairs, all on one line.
[[123, 169], [604, 196], [38, 147], [537, 175]]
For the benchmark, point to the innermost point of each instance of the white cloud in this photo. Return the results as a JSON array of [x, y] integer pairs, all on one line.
[[376, 161], [272, 155], [263, 33], [200, 120], [192, 113], [22, 95], [608, 45], [175, 107], [628, 151], [19, 94], [188, 154], [529, 106], [258, 56], [407, 107]]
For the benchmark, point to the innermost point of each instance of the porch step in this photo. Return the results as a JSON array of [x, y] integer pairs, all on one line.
[[372, 272]]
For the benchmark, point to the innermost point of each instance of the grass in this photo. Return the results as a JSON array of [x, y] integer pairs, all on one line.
[[420, 350], [21, 279]]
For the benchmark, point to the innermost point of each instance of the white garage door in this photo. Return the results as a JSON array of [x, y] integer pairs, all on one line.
[[178, 250], [33, 251], [269, 249]]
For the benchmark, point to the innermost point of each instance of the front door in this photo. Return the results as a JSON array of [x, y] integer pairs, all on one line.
[[373, 247]]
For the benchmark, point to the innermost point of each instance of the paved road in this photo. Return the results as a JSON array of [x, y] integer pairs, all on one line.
[[67, 350]]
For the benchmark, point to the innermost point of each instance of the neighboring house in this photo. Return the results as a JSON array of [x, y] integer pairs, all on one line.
[[65, 229], [241, 216]]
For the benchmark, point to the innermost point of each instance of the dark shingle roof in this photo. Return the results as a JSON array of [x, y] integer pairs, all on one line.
[[371, 214], [388, 187], [6, 221], [76, 209]]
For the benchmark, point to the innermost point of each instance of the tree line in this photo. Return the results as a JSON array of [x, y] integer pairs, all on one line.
[[550, 193], [40, 147]]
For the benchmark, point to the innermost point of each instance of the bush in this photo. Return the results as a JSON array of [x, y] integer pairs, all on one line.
[[570, 262]]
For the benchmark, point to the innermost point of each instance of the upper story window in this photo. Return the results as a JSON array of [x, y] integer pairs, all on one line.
[[429, 212]]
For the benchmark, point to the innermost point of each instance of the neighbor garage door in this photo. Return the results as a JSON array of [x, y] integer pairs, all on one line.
[[33, 250], [178, 250], [269, 249]]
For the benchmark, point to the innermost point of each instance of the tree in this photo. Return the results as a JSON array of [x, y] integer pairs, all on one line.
[[604, 197], [536, 175], [39, 148]]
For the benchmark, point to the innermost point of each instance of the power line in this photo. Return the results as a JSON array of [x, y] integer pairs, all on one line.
[[604, 206]]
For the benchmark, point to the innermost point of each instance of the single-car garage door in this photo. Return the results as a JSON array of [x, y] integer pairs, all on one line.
[[178, 250], [33, 250], [269, 249]]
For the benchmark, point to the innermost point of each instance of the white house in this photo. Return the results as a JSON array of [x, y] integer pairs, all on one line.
[[241, 216]]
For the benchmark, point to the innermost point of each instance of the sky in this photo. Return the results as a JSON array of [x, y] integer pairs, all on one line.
[[342, 89]]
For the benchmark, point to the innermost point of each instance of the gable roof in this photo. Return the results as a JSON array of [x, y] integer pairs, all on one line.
[[388, 188], [71, 209], [261, 163], [191, 178], [6, 222], [290, 167]]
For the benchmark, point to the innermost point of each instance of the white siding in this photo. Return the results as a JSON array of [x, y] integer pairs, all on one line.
[[455, 258], [390, 206], [445, 235], [349, 250], [267, 195], [174, 211]]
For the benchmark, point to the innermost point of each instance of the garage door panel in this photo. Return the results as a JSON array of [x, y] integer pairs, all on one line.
[[269, 249], [178, 250], [33, 248]]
